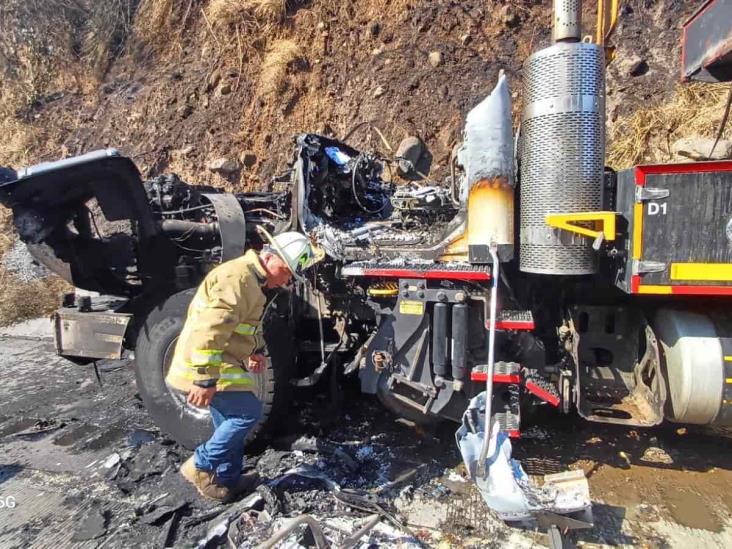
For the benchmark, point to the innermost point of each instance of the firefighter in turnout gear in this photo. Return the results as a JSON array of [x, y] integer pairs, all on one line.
[[219, 354]]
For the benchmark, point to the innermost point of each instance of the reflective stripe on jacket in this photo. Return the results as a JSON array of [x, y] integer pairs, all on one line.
[[223, 328]]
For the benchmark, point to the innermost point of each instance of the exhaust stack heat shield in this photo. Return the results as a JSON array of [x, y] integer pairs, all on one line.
[[562, 150], [487, 191]]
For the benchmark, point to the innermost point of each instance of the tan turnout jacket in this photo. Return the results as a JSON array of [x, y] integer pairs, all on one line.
[[223, 328]]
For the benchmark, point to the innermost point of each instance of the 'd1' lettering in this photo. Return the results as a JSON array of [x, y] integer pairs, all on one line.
[[654, 208]]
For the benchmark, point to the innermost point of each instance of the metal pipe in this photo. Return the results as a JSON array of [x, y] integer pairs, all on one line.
[[353, 540], [196, 236], [177, 228], [482, 470], [290, 526], [440, 342], [459, 344], [567, 24]]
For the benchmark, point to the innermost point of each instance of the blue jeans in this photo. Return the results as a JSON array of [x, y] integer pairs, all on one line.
[[234, 413]]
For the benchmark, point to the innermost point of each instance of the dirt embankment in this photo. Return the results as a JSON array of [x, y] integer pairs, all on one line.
[[176, 84], [229, 83], [223, 78]]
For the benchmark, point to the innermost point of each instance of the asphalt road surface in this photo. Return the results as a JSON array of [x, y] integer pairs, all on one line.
[[82, 465]]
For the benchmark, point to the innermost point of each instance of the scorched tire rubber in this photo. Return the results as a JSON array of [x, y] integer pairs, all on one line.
[[187, 425]]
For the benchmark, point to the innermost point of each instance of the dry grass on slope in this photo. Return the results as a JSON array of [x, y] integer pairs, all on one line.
[[389, 8], [648, 134], [24, 300], [43, 42], [19, 140], [159, 24], [271, 11], [106, 27], [280, 57], [233, 12], [36, 37]]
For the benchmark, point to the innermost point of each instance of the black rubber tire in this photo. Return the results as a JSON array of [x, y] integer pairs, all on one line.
[[187, 425]]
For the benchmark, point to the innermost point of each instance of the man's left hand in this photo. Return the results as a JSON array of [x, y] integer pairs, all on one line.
[[256, 363]]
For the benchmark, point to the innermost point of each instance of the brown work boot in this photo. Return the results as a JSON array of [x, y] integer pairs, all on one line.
[[247, 483], [205, 482]]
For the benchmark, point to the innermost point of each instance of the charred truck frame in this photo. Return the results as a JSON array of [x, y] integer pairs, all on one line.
[[601, 291]]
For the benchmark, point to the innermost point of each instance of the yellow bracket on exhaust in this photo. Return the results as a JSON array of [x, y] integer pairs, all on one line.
[[604, 223]]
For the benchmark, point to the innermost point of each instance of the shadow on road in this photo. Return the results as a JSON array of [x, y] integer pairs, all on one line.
[[8, 471]]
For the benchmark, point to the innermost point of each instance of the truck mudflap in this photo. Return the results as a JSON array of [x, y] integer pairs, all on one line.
[[89, 334], [618, 367]]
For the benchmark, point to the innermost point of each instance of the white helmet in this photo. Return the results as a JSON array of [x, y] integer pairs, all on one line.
[[295, 249]]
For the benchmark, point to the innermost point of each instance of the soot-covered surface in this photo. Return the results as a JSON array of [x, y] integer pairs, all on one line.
[[84, 466]]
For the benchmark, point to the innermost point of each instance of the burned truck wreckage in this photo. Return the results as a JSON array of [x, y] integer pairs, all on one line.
[[396, 302], [531, 273]]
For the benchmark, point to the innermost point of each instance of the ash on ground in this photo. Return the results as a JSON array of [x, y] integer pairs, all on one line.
[[363, 463], [339, 471], [85, 464], [89, 451]]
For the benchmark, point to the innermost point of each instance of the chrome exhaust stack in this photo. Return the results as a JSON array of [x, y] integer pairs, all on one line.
[[562, 146], [567, 25]]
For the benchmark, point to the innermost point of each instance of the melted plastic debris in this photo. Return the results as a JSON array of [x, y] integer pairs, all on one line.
[[507, 489]]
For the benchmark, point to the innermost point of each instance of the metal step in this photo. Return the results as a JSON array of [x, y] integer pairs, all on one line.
[[503, 372], [512, 373], [510, 423], [513, 320], [541, 388]]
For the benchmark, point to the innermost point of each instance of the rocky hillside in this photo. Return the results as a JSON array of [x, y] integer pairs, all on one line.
[[215, 89]]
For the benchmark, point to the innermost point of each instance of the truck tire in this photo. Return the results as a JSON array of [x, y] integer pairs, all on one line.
[[186, 424]]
